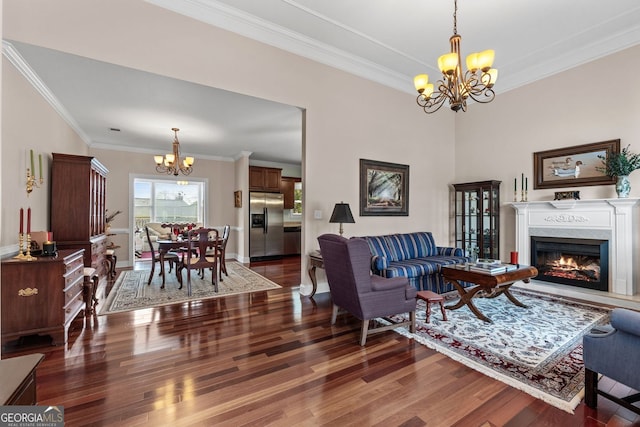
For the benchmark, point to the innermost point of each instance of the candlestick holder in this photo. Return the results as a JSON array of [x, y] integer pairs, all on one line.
[[524, 196], [20, 241], [33, 182], [515, 195], [27, 256]]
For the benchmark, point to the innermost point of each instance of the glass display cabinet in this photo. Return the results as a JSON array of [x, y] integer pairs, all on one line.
[[477, 218]]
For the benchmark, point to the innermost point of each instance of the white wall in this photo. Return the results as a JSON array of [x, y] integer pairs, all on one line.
[[347, 118], [28, 122], [597, 101]]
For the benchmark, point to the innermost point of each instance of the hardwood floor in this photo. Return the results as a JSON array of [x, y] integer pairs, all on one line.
[[272, 358]]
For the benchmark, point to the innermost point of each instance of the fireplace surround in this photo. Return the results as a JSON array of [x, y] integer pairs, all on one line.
[[614, 221]]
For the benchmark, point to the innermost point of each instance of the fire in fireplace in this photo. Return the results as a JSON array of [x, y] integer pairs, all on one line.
[[575, 262]]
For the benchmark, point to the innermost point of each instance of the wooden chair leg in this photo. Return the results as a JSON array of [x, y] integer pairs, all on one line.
[[412, 318], [590, 388], [334, 314], [153, 268], [363, 334]]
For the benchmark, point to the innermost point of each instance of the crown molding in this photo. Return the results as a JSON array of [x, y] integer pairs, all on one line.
[[30, 75], [512, 75], [132, 149], [221, 15]]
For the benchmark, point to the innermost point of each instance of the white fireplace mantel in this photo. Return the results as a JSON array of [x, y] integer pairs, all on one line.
[[615, 220]]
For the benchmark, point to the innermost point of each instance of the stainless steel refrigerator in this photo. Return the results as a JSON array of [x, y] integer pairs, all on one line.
[[266, 236]]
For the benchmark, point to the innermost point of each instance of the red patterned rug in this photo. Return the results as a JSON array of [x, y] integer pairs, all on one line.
[[537, 349]]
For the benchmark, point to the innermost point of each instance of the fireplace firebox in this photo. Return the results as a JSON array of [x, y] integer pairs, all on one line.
[[574, 262]]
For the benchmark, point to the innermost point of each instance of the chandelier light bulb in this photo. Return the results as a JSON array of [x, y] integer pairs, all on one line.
[[448, 63], [420, 82], [472, 62], [485, 59]]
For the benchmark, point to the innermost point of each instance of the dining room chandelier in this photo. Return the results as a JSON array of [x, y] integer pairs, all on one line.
[[476, 83], [170, 163]]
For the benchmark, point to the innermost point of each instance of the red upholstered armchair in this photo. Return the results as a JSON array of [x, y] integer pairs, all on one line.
[[347, 263]]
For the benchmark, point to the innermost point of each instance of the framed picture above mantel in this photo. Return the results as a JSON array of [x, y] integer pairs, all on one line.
[[384, 188], [575, 166]]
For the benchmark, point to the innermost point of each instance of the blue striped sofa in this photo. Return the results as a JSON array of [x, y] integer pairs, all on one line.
[[415, 256]]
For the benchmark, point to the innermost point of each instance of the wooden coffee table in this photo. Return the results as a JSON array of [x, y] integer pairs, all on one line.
[[493, 285]]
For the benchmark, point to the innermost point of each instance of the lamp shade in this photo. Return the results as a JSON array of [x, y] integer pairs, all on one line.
[[342, 214]]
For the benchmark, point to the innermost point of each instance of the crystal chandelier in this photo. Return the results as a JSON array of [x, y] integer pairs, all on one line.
[[170, 163], [476, 83]]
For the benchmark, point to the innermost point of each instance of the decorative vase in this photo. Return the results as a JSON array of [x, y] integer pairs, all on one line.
[[623, 187]]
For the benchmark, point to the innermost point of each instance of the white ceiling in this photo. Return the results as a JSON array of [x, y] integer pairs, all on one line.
[[382, 40]]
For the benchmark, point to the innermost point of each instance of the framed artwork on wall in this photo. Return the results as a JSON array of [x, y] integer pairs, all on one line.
[[237, 198], [575, 166], [384, 189]]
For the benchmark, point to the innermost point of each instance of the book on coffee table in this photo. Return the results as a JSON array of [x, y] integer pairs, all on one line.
[[493, 268]]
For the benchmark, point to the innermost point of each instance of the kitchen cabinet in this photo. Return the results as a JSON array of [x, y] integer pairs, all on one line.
[[78, 196], [477, 218], [42, 296], [264, 179], [287, 188]]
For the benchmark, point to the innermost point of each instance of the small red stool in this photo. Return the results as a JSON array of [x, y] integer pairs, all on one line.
[[431, 297]]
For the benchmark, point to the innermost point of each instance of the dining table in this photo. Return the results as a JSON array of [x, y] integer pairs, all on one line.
[[165, 245]]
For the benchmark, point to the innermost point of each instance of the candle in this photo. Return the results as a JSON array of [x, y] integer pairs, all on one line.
[[29, 221], [522, 182], [21, 220], [515, 184], [32, 169], [526, 184], [40, 161]]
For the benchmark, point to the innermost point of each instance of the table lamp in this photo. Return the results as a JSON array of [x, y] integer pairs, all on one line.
[[342, 213]]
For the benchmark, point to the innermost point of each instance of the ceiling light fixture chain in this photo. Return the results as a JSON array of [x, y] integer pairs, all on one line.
[[170, 163], [476, 83]]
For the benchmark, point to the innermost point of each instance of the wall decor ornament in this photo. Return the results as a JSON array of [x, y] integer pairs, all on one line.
[[384, 188], [575, 166]]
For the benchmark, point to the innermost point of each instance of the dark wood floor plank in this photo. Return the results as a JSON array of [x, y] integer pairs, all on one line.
[[273, 358]]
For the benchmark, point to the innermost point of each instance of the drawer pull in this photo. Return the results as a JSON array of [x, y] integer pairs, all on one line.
[[28, 292]]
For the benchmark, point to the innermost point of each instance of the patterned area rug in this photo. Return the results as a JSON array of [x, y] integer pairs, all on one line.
[[537, 349], [131, 292]]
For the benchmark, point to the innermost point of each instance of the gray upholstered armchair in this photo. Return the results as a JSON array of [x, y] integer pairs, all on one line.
[[613, 351], [354, 289]]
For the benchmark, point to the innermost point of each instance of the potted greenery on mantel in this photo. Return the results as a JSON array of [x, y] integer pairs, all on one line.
[[620, 165]]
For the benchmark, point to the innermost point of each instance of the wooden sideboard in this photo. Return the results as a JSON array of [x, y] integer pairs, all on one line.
[[43, 296]]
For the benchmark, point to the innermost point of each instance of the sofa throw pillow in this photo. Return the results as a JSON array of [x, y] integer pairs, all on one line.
[[411, 245], [424, 244], [399, 250], [378, 246]]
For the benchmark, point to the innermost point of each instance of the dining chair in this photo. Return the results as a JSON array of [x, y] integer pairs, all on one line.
[[220, 251], [155, 257], [223, 248], [195, 257]]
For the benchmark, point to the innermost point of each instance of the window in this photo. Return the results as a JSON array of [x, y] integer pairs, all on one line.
[[297, 199], [159, 200]]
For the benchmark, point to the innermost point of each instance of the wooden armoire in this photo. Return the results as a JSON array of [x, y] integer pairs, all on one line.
[[78, 191]]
